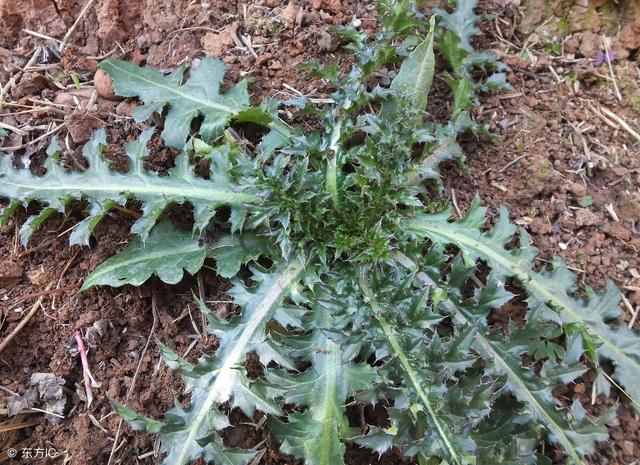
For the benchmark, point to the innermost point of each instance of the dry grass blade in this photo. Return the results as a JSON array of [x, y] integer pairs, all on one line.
[[16, 426], [75, 24], [621, 122], [4, 344]]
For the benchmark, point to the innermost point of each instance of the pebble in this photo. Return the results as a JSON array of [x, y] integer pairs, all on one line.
[[628, 448], [262, 59], [290, 13], [571, 45], [124, 108], [577, 189], [142, 42], [103, 84], [326, 42]]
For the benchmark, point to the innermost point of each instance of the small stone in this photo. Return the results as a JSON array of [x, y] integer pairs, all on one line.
[[629, 36], [81, 125], [10, 272], [543, 63], [217, 44], [125, 108], [333, 5], [571, 45], [628, 448], [142, 42], [38, 277], [30, 84], [369, 23], [264, 58], [326, 42], [559, 206], [585, 217], [114, 388], [103, 84], [577, 189], [619, 231], [290, 13], [591, 42], [629, 207]]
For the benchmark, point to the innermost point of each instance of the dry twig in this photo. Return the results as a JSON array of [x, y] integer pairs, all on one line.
[[621, 122], [74, 25], [33, 295], [37, 139], [25, 320], [613, 75]]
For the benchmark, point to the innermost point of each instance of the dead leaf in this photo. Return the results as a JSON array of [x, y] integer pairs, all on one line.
[[216, 44]]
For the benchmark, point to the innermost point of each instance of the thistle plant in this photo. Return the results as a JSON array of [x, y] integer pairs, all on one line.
[[353, 285]]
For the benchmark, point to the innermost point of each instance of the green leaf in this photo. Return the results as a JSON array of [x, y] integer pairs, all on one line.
[[166, 252], [462, 21], [447, 441], [595, 312], [316, 435], [416, 73], [575, 440], [495, 82], [191, 432], [199, 95], [450, 47], [231, 252], [104, 188], [585, 201], [377, 439], [135, 420], [504, 353], [462, 88]]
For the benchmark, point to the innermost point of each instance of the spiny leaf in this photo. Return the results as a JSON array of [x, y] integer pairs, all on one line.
[[447, 441], [316, 435], [231, 252], [213, 449], [191, 432], [416, 73], [104, 188], [345, 194], [377, 439], [504, 354], [462, 22], [575, 441], [136, 421], [199, 95], [166, 252], [595, 312]]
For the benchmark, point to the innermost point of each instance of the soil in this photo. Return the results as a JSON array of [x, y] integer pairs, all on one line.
[[567, 170]]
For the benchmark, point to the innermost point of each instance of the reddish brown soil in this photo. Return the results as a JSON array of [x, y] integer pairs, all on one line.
[[539, 169]]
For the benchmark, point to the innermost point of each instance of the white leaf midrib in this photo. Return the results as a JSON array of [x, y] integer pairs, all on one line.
[[222, 386]]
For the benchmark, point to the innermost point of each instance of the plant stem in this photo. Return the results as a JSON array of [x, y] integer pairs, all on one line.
[[89, 381]]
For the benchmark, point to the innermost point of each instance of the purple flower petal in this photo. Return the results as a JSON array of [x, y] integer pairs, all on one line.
[[599, 59]]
